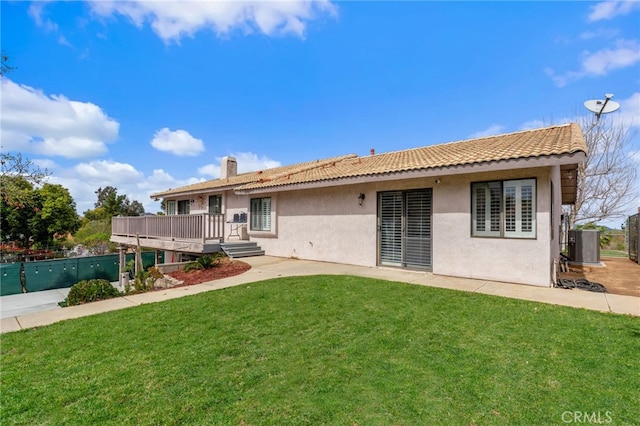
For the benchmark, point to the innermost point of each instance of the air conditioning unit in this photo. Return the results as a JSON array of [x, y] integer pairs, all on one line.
[[584, 246]]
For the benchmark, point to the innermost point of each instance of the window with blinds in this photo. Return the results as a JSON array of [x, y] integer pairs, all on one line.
[[390, 239], [504, 209], [261, 214], [404, 228]]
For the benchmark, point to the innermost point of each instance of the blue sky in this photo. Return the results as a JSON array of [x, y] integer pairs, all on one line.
[[146, 96]]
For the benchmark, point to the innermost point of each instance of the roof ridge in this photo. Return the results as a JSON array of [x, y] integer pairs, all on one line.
[[548, 141], [499, 135], [314, 165], [309, 165]]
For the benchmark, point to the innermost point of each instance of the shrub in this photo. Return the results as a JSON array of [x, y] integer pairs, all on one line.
[[193, 266], [205, 262], [144, 281], [154, 272], [90, 291]]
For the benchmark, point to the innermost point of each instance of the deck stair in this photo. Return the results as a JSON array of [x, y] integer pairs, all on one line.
[[236, 249]]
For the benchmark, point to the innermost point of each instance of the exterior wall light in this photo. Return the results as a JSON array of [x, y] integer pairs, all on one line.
[[360, 198]]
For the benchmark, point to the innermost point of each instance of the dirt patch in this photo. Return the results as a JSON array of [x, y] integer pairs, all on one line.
[[228, 268], [618, 275]]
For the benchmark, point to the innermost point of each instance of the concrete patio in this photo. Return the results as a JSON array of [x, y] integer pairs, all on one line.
[[30, 310]]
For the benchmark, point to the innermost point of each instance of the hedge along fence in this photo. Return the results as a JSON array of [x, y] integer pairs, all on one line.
[[62, 273]]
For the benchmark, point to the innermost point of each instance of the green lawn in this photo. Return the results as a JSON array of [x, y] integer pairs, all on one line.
[[614, 253], [326, 350]]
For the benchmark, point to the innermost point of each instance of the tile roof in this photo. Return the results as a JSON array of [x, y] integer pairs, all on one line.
[[545, 142], [550, 141], [246, 178]]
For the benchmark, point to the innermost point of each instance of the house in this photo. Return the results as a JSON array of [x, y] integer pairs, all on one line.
[[486, 208]]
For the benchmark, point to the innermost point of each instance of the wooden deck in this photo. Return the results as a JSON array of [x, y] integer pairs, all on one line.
[[193, 233]]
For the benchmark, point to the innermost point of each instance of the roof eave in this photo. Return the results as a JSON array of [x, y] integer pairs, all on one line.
[[498, 165], [171, 194]]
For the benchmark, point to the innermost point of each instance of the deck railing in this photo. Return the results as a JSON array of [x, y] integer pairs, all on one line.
[[186, 227]]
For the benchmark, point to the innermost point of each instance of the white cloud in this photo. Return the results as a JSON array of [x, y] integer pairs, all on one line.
[[247, 162], [101, 170], [599, 33], [494, 129], [211, 170], [610, 9], [625, 53], [45, 163], [629, 112], [63, 41], [52, 125], [36, 11], [173, 20], [532, 124], [84, 179], [158, 181], [178, 142]]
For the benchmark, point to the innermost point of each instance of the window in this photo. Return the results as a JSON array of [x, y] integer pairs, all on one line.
[[184, 206], [261, 214], [171, 207], [215, 204], [504, 209]]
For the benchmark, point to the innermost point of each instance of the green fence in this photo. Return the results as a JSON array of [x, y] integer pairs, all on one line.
[[62, 273]]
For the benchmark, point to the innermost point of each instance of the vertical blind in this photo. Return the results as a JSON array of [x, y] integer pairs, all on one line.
[[390, 239], [405, 228]]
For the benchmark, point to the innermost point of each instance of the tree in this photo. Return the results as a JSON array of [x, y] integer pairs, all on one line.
[[5, 64], [37, 216], [606, 180], [14, 165], [96, 228], [134, 209], [111, 204], [17, 210], [95, 235], [605, 235], [57, 214]]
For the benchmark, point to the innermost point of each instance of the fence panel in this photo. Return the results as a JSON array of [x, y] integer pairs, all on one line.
[[98, 267], [10, 282], [63, 273]]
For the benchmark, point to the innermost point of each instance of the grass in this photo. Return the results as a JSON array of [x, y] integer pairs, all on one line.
[[614, 253], [325, 350]]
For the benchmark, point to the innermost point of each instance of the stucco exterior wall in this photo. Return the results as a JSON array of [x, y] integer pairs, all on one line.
[[328, 224], [231, 204], [457, 253], [324, 224]]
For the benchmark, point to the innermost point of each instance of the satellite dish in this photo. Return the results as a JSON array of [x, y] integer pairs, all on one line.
[[600, 107]]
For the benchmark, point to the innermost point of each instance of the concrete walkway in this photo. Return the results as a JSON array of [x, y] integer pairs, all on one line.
[[24, 311]]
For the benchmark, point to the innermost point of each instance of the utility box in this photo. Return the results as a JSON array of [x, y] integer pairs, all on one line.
[[584, 246]]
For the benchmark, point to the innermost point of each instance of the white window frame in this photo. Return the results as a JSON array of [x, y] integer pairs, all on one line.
[[486, 219], [260, 209], [517, 209]]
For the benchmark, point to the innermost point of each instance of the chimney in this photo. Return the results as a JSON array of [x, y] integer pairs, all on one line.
[[228, 167], [373, 151]]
